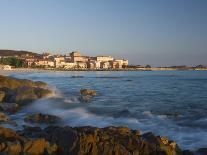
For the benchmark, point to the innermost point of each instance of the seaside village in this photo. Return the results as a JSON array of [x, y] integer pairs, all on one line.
[[71, 61]]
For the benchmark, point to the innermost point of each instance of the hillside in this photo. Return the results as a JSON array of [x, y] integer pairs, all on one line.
[[16, 53]]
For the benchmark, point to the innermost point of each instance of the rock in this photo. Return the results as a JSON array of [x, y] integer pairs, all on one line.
[[14, 144], [22, 91], [9, 107], [2, 95], [24, 95], [86, 98], [12, 83], [42, 118], [89, 92], [3, 117], [201, 151], [105, 141]]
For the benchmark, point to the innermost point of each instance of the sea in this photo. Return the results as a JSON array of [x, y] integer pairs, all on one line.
[[172, 104]]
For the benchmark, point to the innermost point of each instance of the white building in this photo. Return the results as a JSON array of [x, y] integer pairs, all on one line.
[[104, 58], [7, 67], [70, 65], [105, 65]]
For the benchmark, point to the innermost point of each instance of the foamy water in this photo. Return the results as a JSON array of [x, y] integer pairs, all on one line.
[[167, 103]]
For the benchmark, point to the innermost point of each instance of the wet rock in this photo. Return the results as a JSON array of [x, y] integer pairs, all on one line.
[[3, 117], [89, 92], [86, 98], [14, 144], [201, 151], [24, 95], [9, 107], [22, 91], [105, 141], [13, 83], [42, 118], [2, 95]]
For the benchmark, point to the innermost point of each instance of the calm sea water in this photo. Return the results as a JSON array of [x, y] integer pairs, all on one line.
[[168, 103]]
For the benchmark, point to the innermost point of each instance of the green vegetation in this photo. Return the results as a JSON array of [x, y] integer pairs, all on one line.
[[12, 61]]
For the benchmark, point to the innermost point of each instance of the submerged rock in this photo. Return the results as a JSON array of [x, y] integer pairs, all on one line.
[[77, 76], [42, 118]]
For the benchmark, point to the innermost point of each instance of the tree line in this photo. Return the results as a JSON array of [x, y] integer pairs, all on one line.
[[12, 61]]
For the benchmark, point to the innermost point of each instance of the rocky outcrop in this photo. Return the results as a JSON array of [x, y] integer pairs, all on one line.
[[14, 144], [104, 141], [87, 141], [21, 91], [87, 94], [42, 118]]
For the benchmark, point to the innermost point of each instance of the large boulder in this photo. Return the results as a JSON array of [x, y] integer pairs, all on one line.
[[42, 118], [12, 83], [21, 91]]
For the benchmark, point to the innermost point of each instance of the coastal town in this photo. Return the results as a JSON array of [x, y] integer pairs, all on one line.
[[73, 60], [12, 59]]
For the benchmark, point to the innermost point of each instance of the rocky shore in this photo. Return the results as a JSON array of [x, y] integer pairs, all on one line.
[[66, 140]]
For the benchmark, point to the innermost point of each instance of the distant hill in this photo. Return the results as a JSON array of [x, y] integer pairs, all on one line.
[[16, 53]]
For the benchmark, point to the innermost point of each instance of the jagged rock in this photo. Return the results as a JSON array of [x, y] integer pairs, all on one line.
[[14, 144], [89, 92], [2, 95], [104, 141], [42, 118], [9, 107], [3, 117]]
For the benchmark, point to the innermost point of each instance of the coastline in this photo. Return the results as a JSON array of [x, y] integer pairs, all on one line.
[[87, 136], [104, 70]]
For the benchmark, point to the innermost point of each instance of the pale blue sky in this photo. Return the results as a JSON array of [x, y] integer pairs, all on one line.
[[156, 32]]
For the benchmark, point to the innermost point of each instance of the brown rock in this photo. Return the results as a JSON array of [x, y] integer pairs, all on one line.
[[42, 118], [89, 92], [3, 117], [2, 95]]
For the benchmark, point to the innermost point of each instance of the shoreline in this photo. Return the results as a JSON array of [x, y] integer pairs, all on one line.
[[83, 135], [102, 70]]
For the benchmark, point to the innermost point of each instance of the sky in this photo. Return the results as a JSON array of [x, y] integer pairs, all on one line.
[[155, 32]]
